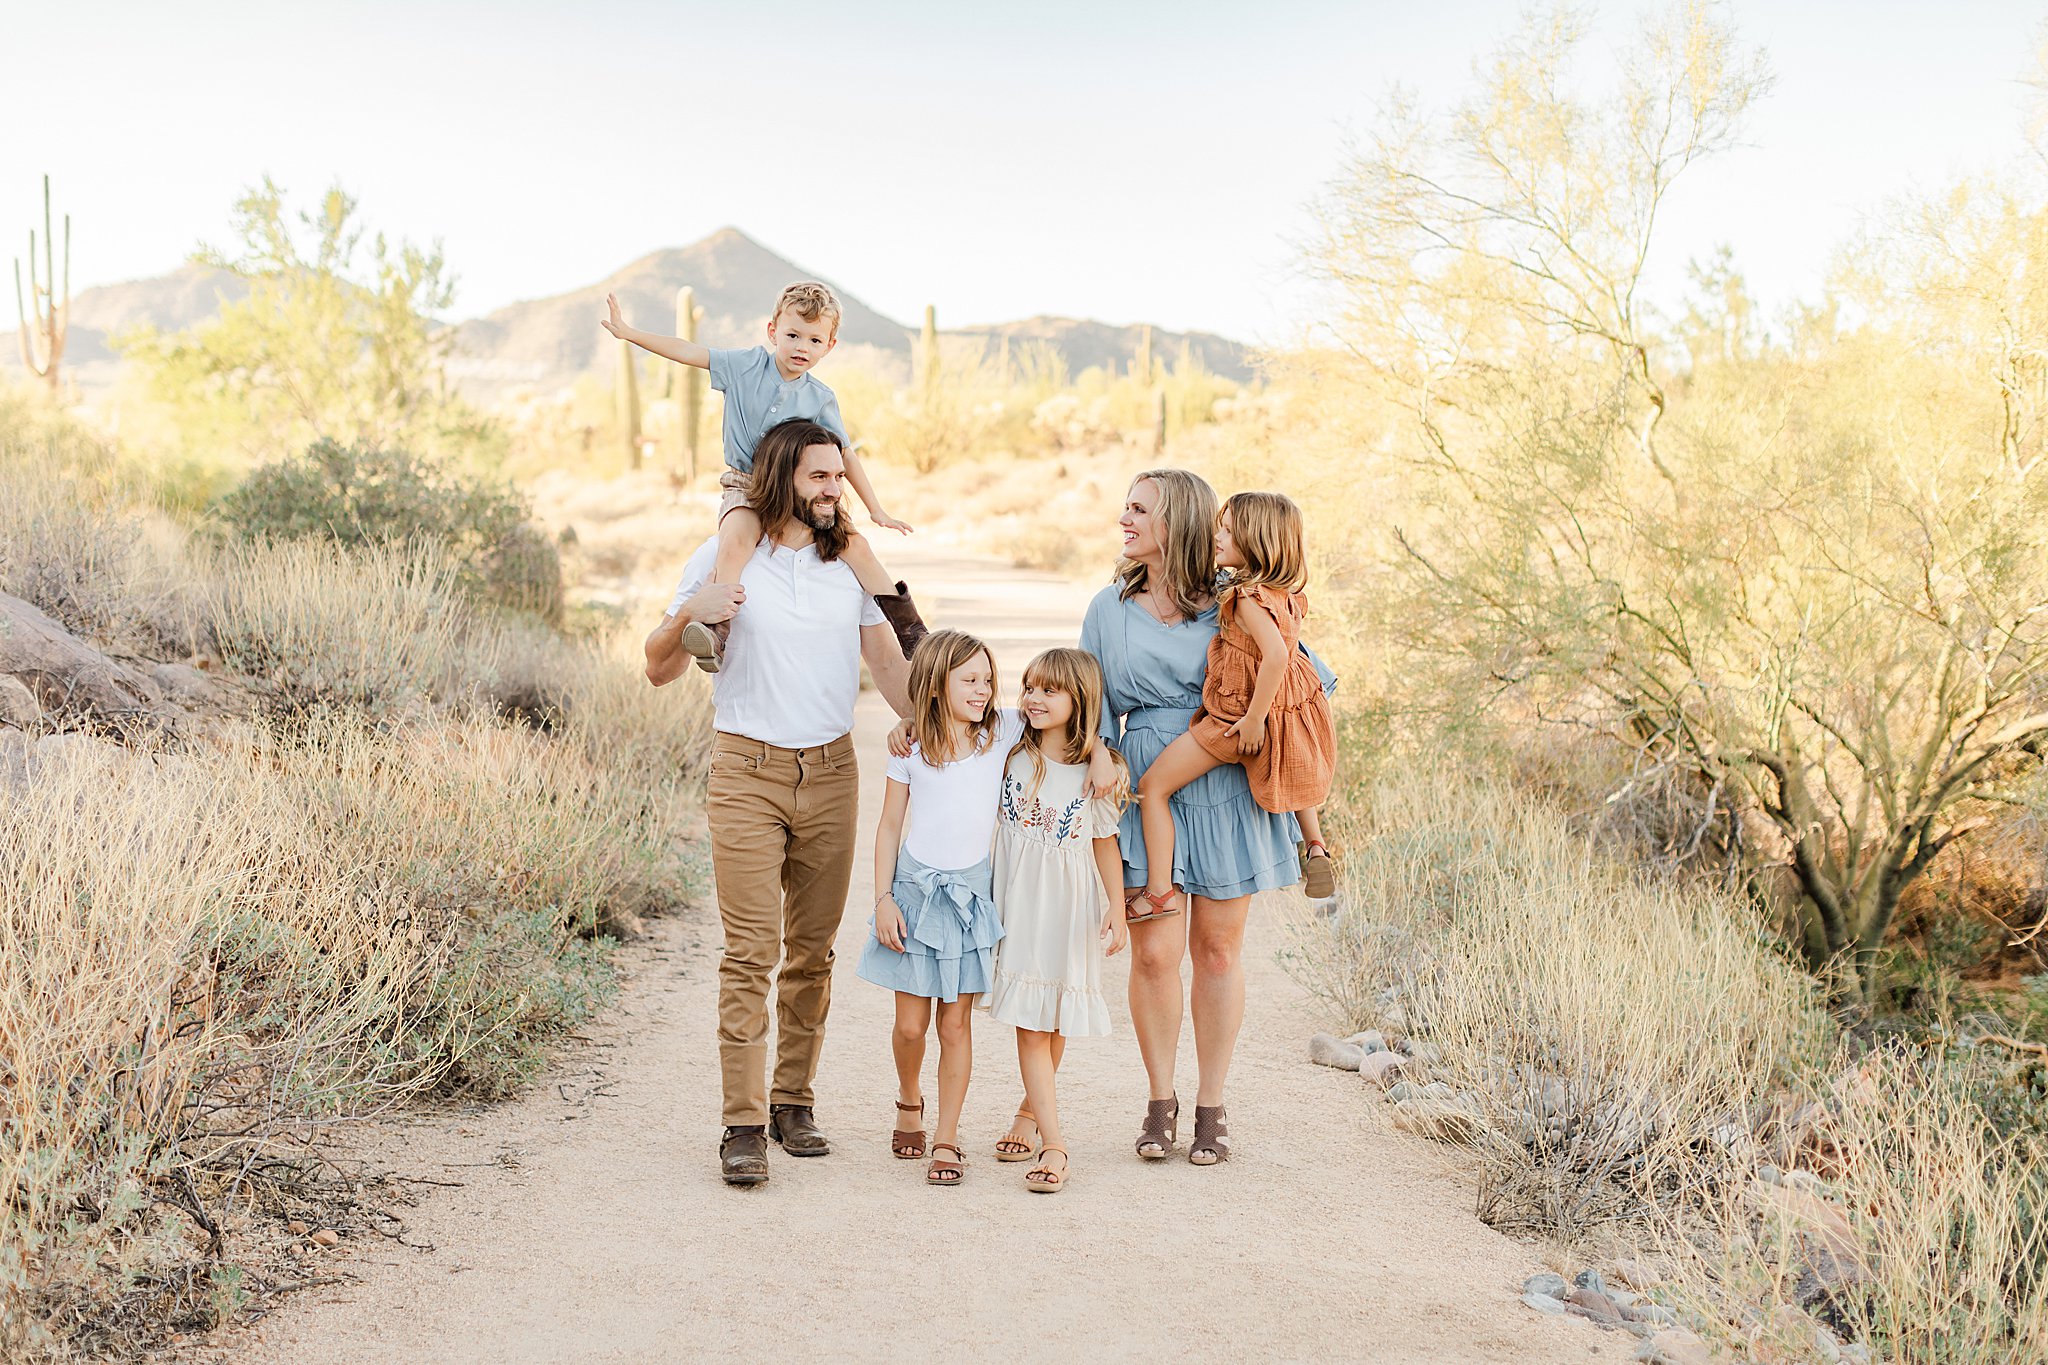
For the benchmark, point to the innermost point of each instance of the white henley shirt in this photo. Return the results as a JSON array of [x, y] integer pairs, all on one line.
[[791, 672]]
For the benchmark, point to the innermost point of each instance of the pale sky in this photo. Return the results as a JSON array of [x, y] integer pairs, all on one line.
[[1120, 159]]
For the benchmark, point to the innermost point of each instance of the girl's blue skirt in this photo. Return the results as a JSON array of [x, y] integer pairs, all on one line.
[[951, 930]]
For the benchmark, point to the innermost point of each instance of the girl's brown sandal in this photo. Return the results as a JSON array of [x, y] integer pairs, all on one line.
[[943, 1172], [908, 1143]]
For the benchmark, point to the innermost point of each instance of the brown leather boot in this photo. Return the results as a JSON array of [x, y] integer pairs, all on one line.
[[903, 617], [797, 1130], [743, 1156]]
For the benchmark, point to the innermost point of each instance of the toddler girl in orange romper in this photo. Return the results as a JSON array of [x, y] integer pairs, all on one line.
[[1262, 704]]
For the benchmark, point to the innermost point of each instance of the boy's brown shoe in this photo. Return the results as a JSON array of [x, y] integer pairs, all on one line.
[[903, 618], [706, 642]]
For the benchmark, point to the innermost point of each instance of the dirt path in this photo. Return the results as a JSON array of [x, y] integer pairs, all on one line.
[[590, 1224]]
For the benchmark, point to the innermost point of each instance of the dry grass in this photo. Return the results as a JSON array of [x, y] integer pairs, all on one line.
[[1626, 1058], [372, 889]]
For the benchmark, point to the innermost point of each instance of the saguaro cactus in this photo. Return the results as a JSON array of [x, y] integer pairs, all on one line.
[[1141, 368], [928, 352], [690, 401], [628, 394], [42, 345], [1159, 419]]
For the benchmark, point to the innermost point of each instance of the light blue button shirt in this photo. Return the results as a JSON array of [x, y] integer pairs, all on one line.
[[757, 397]]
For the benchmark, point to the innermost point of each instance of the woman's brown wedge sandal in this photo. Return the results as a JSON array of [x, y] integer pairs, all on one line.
[[1043, 1179], [1212, 1138], [1162, 1129], [943, 1172], [908, 1143], [1162, 906], [1010, 1146]]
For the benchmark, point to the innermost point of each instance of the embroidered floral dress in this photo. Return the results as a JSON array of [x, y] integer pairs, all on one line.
[[1048, 967]]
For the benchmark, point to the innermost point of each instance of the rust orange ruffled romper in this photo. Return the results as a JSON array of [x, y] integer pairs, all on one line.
[[1294, 770]]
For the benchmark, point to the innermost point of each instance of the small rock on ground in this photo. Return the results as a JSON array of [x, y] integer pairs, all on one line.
[[1326, 1050], [1543, 1303], [1381, 1067], [1547, 1284], [1674, 1348]]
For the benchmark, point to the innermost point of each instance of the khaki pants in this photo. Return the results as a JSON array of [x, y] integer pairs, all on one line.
[[782, 836]]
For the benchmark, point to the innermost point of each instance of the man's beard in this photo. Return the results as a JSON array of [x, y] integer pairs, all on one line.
[[821, 514]]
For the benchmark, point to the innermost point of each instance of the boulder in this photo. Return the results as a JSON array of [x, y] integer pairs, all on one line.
[[18, 706], [71, 679]]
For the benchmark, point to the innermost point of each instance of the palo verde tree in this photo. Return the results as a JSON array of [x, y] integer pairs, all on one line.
[[336, 337], [1812, 579]]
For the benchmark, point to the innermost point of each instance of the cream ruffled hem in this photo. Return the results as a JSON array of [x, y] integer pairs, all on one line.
[[1048, 1006]]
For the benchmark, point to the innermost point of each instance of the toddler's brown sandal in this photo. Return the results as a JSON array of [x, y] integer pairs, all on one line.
[[1162, 906]]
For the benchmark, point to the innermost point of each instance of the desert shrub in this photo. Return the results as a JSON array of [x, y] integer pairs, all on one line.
[[377, 630], [1620, 1053], [1593, 1030], [357, 495]]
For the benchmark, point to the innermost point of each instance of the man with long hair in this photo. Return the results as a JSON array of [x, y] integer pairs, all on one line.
[[784, 786]]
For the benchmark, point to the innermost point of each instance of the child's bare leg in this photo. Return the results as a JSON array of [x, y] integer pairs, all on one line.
[[956, 1064], [739, 531], [860, 556], [1059, 1054], [1181, 763], [906, 1041], [1311, 824], [1035, 1060]]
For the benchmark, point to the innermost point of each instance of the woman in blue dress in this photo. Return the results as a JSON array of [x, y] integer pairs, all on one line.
[[1151, 630]]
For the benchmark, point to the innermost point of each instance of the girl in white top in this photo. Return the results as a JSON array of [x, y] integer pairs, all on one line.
[[935, 923], [1059, 886]]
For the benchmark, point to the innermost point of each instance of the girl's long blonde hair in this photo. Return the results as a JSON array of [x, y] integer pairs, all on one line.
[[1267, 530], [1076, 673], [1186, 517], [931, 724]]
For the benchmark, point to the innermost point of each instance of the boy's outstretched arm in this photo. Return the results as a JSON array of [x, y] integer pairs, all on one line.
[[857, 475], [673, 348]]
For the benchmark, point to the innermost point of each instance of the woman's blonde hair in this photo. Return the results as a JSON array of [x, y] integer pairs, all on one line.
[[1186, 517], [1076, 673], [1267, 530], [931, 725]]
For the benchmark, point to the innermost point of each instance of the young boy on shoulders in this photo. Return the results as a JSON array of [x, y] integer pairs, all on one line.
[[764, 385]]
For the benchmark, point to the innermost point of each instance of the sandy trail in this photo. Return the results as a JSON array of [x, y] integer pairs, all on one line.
[[590, 1224]]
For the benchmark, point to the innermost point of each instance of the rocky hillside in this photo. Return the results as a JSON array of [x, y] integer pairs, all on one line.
[[188, 295], [546, 343]]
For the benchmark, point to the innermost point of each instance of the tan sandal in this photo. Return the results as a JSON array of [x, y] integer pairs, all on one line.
[[1043, 1179], [942, 1172], [1162, 1128], [1161, 906], [1011, 1147], [908, 1143]]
